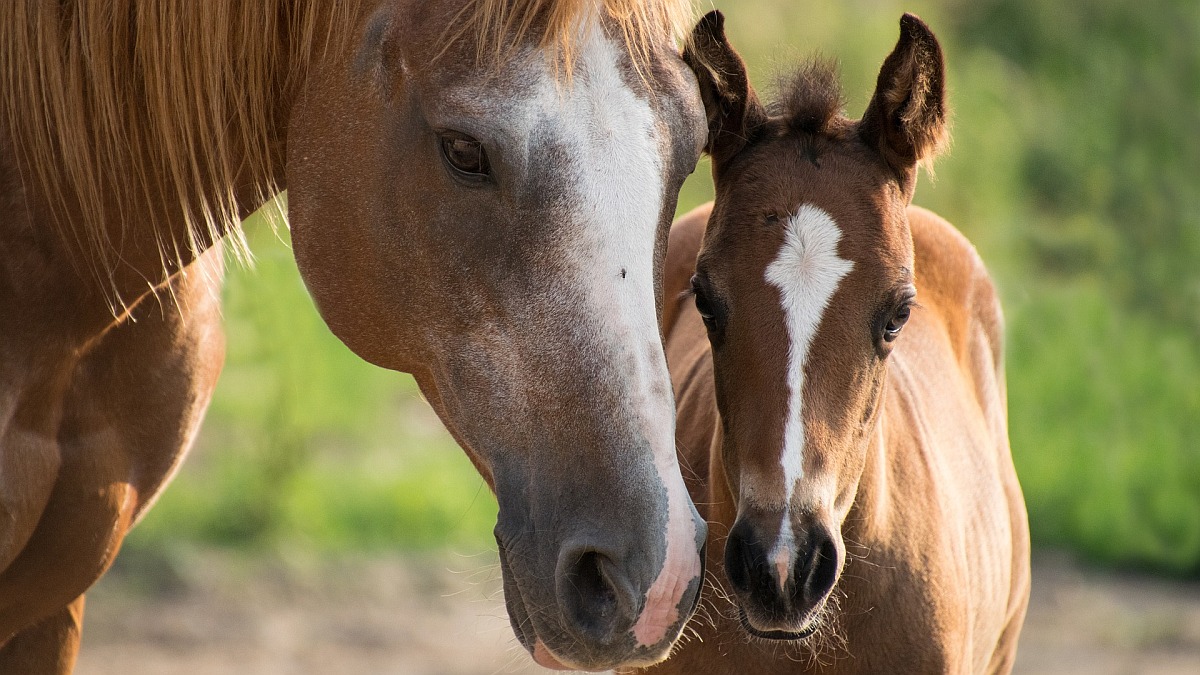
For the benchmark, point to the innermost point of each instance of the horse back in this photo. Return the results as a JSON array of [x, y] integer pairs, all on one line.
[[954, 284]]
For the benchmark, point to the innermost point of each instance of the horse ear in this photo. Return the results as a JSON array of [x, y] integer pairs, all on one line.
[[906, 118], [733, 110]]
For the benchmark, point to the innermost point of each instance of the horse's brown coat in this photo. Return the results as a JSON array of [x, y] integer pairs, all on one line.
[[936, 576], [134, 135]]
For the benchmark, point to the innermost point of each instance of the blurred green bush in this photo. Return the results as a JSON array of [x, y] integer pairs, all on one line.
[[1075, 170], [307, 445]]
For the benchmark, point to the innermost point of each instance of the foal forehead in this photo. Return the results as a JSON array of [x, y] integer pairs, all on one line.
[[792, 174], [808, 251]]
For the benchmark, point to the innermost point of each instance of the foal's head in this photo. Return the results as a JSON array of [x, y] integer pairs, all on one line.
[[804, 281]]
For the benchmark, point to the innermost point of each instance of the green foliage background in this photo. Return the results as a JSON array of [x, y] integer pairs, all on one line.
[[1075, 170]]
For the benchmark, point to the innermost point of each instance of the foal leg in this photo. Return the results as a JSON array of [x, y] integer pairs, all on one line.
[[48, 647]]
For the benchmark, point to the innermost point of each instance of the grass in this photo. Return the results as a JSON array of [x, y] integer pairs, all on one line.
[[1103, 416]]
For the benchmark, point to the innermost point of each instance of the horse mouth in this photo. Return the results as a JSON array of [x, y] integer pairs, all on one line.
[[703, 575], [809, 629], [521, 617], [518, 614], [520, 620]]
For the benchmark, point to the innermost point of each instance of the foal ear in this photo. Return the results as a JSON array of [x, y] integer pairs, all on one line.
[[906, 118], [733, 110]]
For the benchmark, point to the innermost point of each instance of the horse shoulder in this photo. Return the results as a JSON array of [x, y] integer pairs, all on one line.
[[128, 411], [697, 420], [683, 245], [688, 355]]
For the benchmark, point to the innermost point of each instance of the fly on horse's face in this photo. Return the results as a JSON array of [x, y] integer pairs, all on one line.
[[497, 229], [804, 281]]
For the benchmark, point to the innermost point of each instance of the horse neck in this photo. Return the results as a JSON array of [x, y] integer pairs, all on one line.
[[883, 530]]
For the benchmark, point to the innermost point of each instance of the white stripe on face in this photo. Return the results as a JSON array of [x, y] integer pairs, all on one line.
[[807, 272], [619, 177], [600, 143]]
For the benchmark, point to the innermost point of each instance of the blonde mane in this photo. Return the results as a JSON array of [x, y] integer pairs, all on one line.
[[499, 25], [106, 98], [109, 101]]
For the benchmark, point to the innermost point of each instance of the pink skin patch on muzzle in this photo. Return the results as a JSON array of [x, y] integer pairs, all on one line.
[[682, 564], [783, 568], [545, 659]]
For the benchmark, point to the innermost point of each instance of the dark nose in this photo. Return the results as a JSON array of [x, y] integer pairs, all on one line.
[[596, 596], [809, 578]]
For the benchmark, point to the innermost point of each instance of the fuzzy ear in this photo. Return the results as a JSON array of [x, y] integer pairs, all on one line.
[[733, 109], [906, 118]]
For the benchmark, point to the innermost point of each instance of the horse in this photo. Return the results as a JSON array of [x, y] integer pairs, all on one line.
[[479, 193], [837, 358]]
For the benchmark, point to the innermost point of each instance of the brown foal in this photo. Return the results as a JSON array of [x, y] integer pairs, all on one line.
[[837, 360]]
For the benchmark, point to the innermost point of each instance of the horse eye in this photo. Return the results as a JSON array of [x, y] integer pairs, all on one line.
[[465, 155], [703, 305], [900, 317]]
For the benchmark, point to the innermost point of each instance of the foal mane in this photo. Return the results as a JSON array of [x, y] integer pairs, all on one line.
[[105, 98], [810, 101], [500, 25], [810, 98]]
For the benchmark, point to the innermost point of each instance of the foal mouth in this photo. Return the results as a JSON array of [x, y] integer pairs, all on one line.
[[804, 633]]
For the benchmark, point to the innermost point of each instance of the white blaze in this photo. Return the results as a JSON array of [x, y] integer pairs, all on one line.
[[616, 152], [807, 271], [620, 204], [613, 152]]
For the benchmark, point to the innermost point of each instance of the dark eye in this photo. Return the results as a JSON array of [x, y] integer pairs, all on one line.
[[465, 155], [891, 330], [703, 304]]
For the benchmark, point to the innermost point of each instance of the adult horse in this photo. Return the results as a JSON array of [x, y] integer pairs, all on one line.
[[480, 194], [840, 387]]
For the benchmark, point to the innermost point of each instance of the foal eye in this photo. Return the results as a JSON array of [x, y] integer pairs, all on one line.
[[899, 317], [703, 304], [465, 155]]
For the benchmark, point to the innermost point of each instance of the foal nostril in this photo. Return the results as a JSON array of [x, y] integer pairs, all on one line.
[[742, 558], [777, 590], [822, 569], [595, 598]]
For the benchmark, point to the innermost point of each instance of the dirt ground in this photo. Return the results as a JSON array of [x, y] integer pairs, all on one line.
[[215, 615]]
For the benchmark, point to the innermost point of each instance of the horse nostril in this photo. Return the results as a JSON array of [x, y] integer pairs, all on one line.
[[592, 596], [739, 559], [822, 569]]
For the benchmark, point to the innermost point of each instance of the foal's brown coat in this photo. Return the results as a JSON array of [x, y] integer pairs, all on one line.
[[937, 572]]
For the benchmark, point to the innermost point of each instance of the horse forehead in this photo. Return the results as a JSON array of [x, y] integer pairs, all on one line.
[[807, 267], [597, 108]]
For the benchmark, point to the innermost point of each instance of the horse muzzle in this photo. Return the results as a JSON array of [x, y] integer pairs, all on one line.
[[782, 582], [599, 605]]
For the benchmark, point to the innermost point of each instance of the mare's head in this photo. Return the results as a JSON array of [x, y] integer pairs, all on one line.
[[804, 281], [493, 221]]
